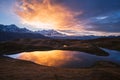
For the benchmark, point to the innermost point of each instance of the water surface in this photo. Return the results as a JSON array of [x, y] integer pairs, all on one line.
[[69, 59]]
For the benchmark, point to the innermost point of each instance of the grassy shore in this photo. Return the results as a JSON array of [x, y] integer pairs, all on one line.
[[91, 46], [11, 69]]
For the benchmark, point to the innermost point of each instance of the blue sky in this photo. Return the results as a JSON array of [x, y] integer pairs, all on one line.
[[98, 15], [7, 15]]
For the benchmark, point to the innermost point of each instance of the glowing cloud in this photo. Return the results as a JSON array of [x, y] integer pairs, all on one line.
[[46, 14]]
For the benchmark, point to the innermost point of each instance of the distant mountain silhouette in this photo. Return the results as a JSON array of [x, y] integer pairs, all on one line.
[[11, 32], [13, 28], [84, 37]]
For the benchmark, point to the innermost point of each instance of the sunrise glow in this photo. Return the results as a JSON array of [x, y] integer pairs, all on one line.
[[45, 14]]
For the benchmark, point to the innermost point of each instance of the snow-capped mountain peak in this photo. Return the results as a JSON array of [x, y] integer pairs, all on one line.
[[50, 33], [13, 28]]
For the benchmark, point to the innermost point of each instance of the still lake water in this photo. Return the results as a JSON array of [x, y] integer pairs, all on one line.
[[67, 59]]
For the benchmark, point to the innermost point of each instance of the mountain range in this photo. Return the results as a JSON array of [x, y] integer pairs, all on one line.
[[11, 32], [50, 33], [13, 28]]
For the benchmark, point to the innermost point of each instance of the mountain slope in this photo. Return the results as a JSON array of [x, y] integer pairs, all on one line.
[[5, 36], [50, 33], [11, 32], [13, 28]]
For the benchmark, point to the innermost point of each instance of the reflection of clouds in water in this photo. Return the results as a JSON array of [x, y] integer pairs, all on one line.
[[49, 58], [68, 59]]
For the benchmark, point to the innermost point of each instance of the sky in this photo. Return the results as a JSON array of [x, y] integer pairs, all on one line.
[[74, 17]]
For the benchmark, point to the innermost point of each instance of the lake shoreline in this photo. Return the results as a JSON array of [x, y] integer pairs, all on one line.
[[67, 59], [88, 46], [12, 69]]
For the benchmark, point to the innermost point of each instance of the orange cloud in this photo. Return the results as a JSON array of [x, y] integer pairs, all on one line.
[[46, 14]]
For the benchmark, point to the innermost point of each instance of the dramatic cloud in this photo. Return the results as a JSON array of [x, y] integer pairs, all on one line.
[[92, 8], [46, 14], [74, 16]]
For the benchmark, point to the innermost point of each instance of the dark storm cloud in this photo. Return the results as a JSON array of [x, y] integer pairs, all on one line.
[[109, 22], [94, 12], [108, 27], [93, 7], [98, 15]]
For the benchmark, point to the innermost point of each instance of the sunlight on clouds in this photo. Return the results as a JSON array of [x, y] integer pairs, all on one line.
[[46, 14]]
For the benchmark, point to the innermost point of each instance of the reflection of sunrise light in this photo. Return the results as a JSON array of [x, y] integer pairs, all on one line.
[[46, 14], [49, 58]]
